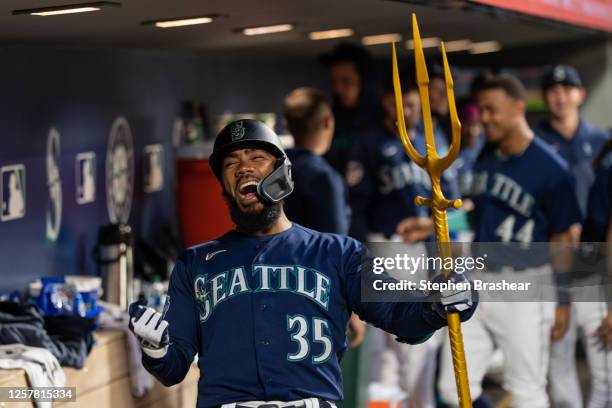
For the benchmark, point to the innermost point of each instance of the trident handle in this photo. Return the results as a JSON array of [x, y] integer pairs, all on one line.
[[435, 166]]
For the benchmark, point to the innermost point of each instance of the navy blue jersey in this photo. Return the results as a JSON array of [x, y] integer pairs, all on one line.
[[383, 183], [579, 152], [600, 200], [267, 316], [522, 198], [319, 200]]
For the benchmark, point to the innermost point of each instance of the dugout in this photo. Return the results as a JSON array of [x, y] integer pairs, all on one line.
[[68, 80]]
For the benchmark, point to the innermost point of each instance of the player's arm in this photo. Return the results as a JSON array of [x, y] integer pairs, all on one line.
[[413, 229], [330, 204], [356, 331], [170, 364], [562, 254], [411, 321]]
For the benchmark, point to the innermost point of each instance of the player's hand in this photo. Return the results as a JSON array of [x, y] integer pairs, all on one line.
[[461, 299], [150, 329], [604, 331], [357, 330], [562, 321], [413, 229]]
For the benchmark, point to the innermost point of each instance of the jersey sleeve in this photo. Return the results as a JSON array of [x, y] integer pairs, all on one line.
[[411, 322], [330, 205], [561, 204], [183, 328]]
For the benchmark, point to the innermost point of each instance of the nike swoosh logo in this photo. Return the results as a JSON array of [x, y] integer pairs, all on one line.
[[210, 255]]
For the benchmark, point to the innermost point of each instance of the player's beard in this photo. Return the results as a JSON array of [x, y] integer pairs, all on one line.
[[251, 222]]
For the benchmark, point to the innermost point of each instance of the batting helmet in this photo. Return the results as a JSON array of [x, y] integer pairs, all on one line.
[[245, 133]]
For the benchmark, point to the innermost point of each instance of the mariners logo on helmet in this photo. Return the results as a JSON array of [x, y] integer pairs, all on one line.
[[237, 131]]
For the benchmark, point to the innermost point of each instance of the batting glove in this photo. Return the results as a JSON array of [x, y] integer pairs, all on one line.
[[150, 328], [460, 298]]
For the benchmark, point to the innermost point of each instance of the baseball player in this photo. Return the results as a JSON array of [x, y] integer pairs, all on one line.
[[319, 200], [522, 193], [596, 317], [356, 99], [578, 143], [383, 181], [266, 305]]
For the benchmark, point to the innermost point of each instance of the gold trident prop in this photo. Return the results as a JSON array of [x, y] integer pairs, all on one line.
[[435, 166]]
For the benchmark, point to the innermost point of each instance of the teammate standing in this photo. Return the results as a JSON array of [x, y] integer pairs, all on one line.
[[319, 200], [596, 317], [578, 143], [383, 181], [356, 99], [522, 193], [266, 305]]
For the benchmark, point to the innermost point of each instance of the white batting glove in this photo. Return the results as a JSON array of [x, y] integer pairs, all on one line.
[[150, 328], [462, 300]]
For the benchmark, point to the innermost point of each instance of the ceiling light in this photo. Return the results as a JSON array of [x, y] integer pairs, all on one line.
[[484, 47], [183, 22], [329, 34], [457, 45], [67, 9], [427, 42], [279, 28], [381, 39]]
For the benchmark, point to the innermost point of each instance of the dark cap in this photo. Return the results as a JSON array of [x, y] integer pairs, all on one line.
[[561, 74]]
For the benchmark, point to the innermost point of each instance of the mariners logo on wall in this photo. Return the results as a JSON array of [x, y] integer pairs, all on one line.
[[153, 168], [237, 131], [85, 178], [13, 192], [119, 172], [54, 184]]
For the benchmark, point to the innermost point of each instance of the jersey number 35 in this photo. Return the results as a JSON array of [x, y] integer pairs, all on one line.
[[300, 328]]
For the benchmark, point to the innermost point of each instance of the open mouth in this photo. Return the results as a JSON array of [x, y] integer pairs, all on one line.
[[247, 191]]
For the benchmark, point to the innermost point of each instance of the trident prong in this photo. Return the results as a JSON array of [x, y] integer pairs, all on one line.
[[435, 166], [453, 151]]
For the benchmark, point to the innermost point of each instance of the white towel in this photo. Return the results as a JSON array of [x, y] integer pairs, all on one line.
[[41, 367]]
